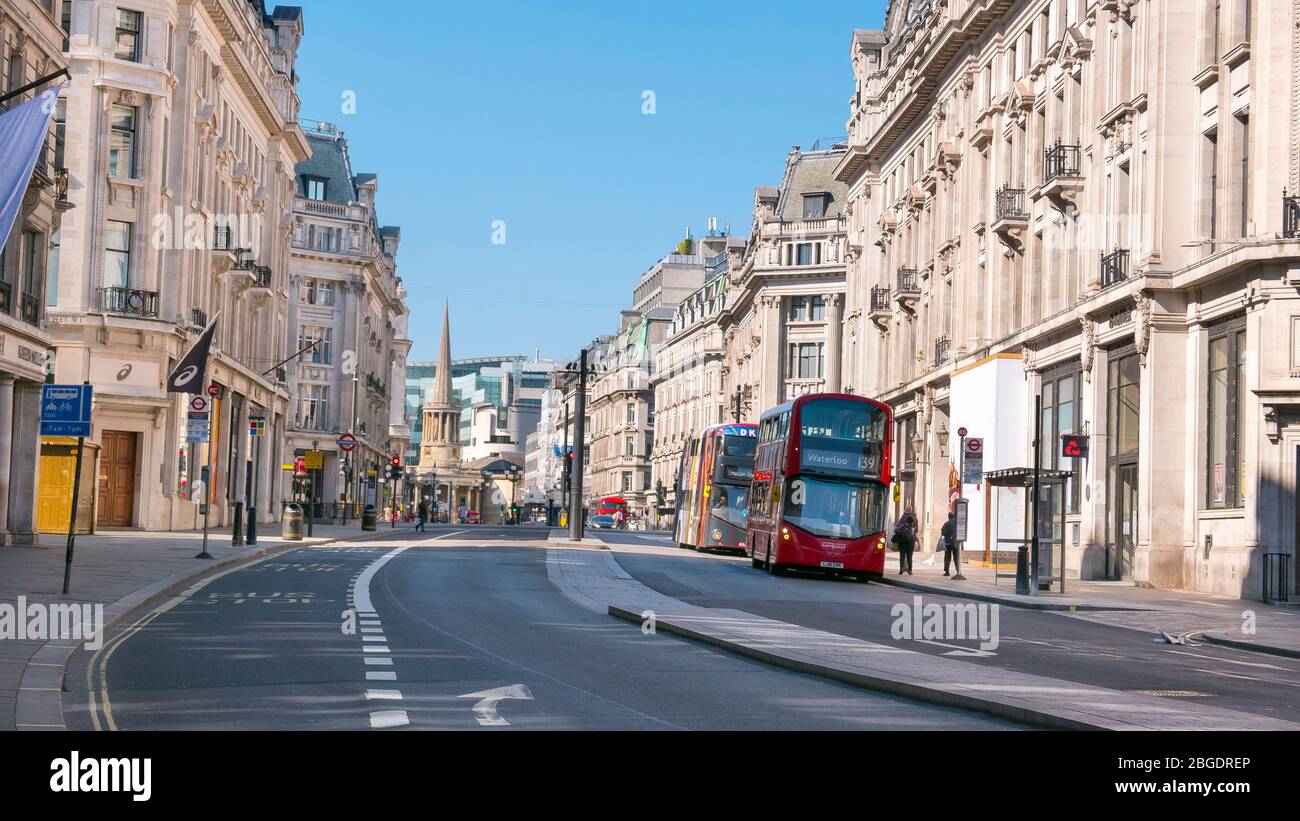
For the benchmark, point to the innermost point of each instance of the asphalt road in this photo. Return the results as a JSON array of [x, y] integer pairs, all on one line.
[[1044, 643], [462, 637]]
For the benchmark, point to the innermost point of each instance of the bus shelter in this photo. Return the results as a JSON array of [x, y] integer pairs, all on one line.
[[1048, 567]]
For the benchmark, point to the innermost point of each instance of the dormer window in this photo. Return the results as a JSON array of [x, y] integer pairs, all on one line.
[[313, 188], [814, 205]]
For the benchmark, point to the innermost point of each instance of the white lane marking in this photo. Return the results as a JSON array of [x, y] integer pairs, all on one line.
[[378, 661], [383, 719], [380, 637], [372, 629], [958, 650], [392, 695], [374, 648], [486, 708], [1234, 661], [380, 675]]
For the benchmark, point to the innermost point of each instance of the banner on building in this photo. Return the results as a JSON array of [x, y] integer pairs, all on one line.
[[23, 130], [187, 376]]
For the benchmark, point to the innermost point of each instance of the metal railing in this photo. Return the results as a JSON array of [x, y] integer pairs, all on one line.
[[879, 299], [1277, 577], [198, 319], [909, 282], [713, 266], [1114, 267], [1060, 160], [223, 239], [131, 301], [261, 276], [1009, 203], [942, 350], [1290, 216]]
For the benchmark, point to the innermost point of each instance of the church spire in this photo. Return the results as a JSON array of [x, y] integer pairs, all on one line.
[[442, 385]]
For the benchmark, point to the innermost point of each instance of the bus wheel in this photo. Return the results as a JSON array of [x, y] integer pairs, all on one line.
[[757, 564], [772, 567]]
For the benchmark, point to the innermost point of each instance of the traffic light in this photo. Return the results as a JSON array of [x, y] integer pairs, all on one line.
[[395, 468]]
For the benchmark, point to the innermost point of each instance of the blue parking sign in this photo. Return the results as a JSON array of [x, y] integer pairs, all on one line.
[[65, 410]]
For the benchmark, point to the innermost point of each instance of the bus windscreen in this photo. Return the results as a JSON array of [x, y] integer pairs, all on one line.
[[836, 509], [841, 437]]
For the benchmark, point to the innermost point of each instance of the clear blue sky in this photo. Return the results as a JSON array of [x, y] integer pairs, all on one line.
[[530, 112]]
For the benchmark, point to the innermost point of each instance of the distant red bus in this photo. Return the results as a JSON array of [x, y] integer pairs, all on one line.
[[821, 486], [608, 505], [713, 482]]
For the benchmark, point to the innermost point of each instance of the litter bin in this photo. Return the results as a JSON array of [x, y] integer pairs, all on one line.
[[368, 518], [291, 523]]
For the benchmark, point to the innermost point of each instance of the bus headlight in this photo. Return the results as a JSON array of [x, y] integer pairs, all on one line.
[[880, 543], [785, 534], [717, 535]]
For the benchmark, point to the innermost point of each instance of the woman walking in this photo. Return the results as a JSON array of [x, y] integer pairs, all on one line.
[[905, 538]]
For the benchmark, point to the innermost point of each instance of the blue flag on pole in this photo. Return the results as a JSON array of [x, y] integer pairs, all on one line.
[[23, 129]]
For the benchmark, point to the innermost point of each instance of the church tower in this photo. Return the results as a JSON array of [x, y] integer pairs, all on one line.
[[440, 440]]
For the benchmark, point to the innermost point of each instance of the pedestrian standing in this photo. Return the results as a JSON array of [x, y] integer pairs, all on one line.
[[949, 531], [905, 538], [422, 515]]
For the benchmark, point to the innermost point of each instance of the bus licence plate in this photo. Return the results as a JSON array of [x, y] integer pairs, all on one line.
[[834, 565]]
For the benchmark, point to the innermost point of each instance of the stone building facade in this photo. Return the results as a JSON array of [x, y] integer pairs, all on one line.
[[1083, 201], [30, 48], [180, 140], [346, 296], [782, 324]]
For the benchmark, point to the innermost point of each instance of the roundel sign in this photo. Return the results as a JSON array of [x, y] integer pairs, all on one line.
[[214, 390], [346, 442], [198, 404], [974, 446], [961, 431]]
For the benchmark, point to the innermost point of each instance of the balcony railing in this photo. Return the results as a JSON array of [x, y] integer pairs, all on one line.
[[1114, 267], [1009, 203], [942, 350], [1290, 216], [879, 299], [261, 276], [131, 301], [1060, 160], [909, 282], [198, 319], [223, 238]]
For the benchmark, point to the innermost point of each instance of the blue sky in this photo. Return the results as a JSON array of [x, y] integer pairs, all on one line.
[[531, 113]]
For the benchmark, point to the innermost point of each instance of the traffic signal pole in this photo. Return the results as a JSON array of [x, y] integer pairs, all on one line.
[[579, 434]]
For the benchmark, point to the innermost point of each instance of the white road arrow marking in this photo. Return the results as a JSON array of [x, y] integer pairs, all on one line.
[[486, 708], [958, 650]]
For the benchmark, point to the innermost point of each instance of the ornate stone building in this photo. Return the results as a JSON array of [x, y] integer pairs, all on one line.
[[782, 322], [30, 48], [345, 296], [181, 136], [1083, 201]]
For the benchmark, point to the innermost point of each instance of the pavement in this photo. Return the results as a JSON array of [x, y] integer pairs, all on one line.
[[1221, 620], [596, 579], [121, 570]]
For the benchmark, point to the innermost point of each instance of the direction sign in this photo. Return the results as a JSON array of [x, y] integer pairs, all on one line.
[[198, 404], [65, 410], [346, 442], [196, 427]]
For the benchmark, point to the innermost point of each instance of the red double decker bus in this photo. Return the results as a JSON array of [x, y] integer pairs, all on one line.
[[712, 492], [821, 486]]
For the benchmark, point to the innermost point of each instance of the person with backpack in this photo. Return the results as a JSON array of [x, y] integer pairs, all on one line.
[[905, 538]]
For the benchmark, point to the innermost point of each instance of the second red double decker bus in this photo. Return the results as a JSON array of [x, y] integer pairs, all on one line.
[[821, 486]]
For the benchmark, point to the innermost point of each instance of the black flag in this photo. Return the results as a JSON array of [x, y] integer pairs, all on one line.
[[187, 376]]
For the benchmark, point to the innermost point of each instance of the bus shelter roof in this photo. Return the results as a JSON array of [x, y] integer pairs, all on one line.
[[1024, 477]]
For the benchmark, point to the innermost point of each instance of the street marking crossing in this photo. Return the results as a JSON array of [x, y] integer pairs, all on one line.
[[378, 661], [393, 695], [380, 675], [383, 719]]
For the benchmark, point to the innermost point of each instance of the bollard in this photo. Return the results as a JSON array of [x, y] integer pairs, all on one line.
[[291, 523], [1022, 571], [237, 535], [368, 518]]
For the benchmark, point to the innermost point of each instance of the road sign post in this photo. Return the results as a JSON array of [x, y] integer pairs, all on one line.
[[959, 535], [65, 411]]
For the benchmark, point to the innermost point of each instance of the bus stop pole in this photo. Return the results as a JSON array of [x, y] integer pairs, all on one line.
[[1033, 541], [72, 518]]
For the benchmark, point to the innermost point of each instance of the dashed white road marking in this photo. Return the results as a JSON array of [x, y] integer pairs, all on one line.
[[380, 675], [372, 628], [378, 661], [380, 637], [372, 648], [392, 695], [383, 719]]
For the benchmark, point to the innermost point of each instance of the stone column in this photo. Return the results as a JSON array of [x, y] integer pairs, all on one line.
[[773, 387], [22, 474], [6, 449], [834, 336]]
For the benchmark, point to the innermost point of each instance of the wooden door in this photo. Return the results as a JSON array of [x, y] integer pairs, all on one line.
[[117, 479]]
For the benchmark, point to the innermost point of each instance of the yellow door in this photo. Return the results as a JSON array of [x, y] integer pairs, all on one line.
[[54, 493]]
